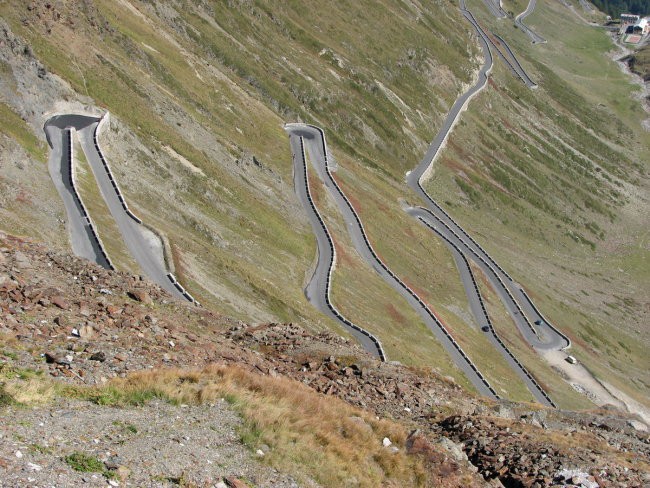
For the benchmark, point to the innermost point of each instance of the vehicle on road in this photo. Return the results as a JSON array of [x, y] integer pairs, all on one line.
[[571, 359], [485, 328]]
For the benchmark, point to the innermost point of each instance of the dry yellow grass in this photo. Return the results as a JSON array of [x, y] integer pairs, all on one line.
[[310, 435], [26, 387]]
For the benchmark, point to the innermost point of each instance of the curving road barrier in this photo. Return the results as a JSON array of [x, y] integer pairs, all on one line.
[[370, 342], [545, 320], [367, 251], [141, 242], [103, 259], [492, 271], [534, 37], [528, 379], [515, 298], [112, 179], [515, 65], [494, 6]]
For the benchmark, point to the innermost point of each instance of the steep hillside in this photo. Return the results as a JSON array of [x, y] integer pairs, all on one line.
[[105, 378], [552, 181], [556, 185]]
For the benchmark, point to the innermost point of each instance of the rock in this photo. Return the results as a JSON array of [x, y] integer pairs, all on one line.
[[98, 356], [454, 449], [235, 483], [113, 311], [265, 448], [56, 359], [60, 302], [637, 425], [140, 296], [260, 453], [19, 454], [113, 462], [21, 260], [61, 320], [386, 442]]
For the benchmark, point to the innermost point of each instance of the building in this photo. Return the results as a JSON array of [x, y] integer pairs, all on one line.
[[629, 19], [642, 27]]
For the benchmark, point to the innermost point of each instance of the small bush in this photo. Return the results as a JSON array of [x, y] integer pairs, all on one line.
[[84, 463], [5, 398]]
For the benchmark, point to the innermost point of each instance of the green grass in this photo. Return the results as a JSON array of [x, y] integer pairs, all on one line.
[[561, 222], [85, 463], [15, 127], [105, 224]]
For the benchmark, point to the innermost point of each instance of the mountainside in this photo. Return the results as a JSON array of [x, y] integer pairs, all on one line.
[[549, 176], [125, 384]]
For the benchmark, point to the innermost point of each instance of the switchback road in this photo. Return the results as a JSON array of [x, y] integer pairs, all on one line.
[[143, 244], [314, 141], [519, 22]]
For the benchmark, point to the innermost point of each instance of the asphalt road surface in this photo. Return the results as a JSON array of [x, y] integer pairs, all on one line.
[[512, 61], [83, 240], [318, 288], [519, 22], [495, 8], [317, 150], [144, 245], [480, 313]]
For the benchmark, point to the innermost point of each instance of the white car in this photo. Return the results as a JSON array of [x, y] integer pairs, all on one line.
[[571, 359]]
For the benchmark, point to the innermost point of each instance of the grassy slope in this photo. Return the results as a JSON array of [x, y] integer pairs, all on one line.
[[640, 63], [569, 226], [313, 437], [106, 226], [237, 71], [239, 79], [29, 203]]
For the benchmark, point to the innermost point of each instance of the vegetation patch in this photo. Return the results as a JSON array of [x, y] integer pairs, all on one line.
[[85, 463]]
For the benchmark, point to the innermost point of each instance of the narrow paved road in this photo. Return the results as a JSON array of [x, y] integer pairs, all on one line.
[[143, 244], [531, 323], [513, 62], [319, 286], [519, 22], [494, 6], [83, 239], [479, 310], [314, 142]]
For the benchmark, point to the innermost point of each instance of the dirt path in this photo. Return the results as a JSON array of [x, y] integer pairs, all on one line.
[[584, 382]]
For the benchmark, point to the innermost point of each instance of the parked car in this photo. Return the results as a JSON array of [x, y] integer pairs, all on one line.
[[571, 359]]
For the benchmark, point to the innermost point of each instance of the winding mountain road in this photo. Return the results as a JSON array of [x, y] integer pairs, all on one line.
[[314, 140], [517, 302], [479, 311], [519, 22], [142, 243], [319, 287], [83, 237], [494, 6]]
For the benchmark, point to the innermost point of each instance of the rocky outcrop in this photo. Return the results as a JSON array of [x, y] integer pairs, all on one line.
[[80, 323]]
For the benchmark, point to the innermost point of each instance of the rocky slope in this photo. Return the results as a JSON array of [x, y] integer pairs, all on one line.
[[68, 322]]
